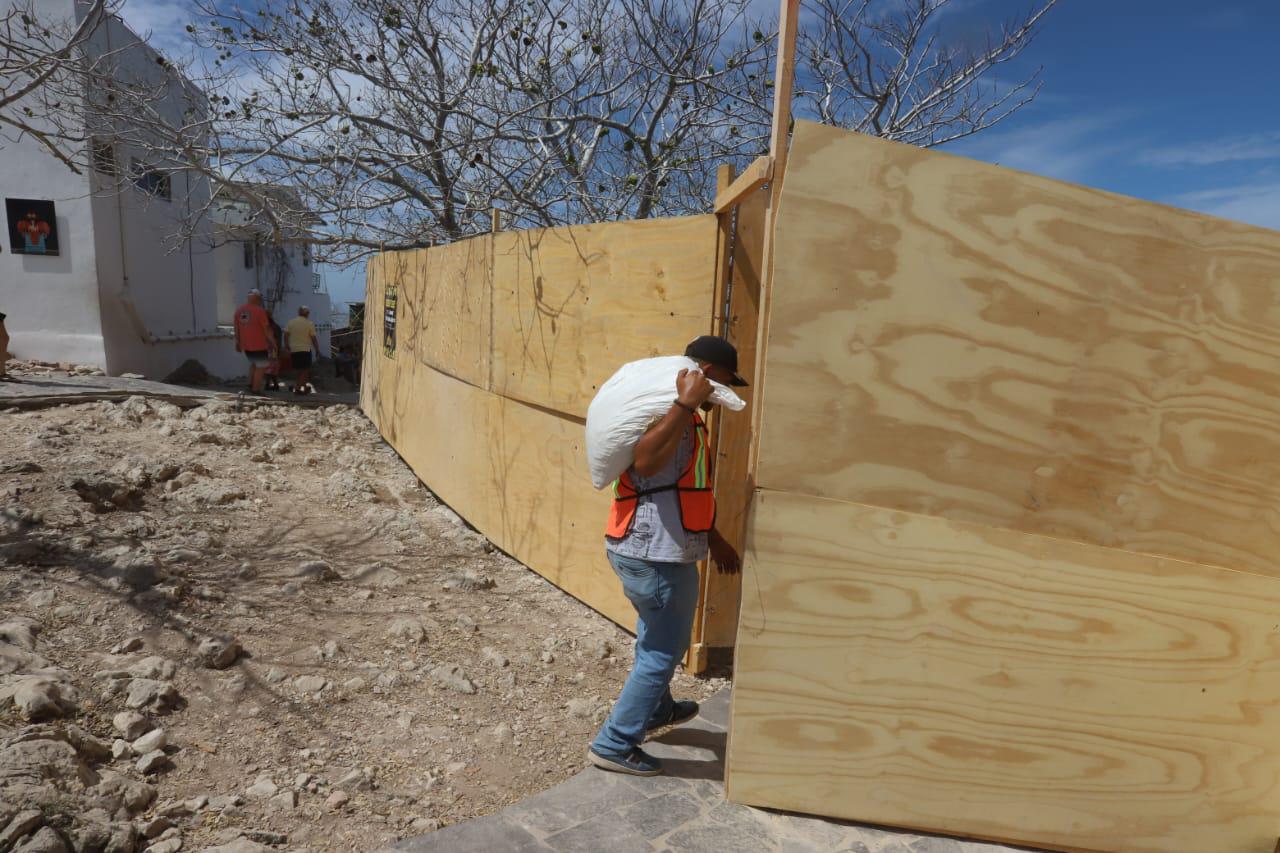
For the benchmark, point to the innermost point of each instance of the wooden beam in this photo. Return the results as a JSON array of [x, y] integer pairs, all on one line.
[[696, 658], [757, 174], [783, 80], [495, 219]]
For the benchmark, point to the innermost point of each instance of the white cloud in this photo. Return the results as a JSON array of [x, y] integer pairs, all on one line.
[[162, 23], [1254, 146], [1066, 148], [1257, 203]]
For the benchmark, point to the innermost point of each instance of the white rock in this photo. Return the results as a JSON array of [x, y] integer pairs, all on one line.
[[42, 698], [161, 697], [152, 762], [502, 733], [275, 676], [495, 657], [407, 628], [131, 725], [21, 824], [167, 845], [310, 683], [336, 801], [44, 841], [120, 750], [452, 676], [263, 789], [151, 741], [41, 598], [218, 653], [285, 800]]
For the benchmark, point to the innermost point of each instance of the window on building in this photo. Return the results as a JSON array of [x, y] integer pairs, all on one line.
[[151, 181], [248, 254], [104, 157], [306, 254]]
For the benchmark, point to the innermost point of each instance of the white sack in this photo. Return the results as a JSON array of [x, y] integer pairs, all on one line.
[[625, 406]]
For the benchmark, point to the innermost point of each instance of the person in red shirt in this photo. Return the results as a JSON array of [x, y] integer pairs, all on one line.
[[254, 338]]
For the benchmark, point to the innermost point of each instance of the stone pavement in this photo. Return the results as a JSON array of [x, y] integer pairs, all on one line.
[[41, 389], [682, 810]]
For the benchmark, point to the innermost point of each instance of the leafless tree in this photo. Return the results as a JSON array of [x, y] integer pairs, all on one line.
[[39, 58], [400, 123], [894, 70]]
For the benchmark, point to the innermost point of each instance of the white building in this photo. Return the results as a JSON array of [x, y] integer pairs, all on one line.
[[245, 256], [120, 293]]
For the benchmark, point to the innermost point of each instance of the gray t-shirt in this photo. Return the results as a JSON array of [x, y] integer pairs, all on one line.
[[658, 533]]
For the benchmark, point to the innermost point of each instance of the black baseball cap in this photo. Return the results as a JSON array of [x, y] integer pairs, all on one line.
[[717, 351]]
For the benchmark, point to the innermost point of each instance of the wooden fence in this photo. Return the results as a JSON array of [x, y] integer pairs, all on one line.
[[1012, 558], [500, 342]]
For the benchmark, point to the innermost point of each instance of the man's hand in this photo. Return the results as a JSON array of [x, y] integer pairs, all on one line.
[[723, 555], [692, 388]]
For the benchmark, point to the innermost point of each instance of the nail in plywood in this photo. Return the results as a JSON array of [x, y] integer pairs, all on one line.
[[957, 339], [915, 671], [572, 304]]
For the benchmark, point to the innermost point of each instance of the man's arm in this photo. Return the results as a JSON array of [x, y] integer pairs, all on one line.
[[658, 446]]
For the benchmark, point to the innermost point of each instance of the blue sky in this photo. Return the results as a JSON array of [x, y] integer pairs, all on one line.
[[1168, 100]]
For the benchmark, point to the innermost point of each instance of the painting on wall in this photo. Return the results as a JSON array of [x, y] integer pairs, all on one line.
[[389, 302], [33, 228]]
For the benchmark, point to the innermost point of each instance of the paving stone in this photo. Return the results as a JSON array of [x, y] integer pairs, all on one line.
[[601, 833], [683, 810], [656, 817], [493, 832], [579, 799]]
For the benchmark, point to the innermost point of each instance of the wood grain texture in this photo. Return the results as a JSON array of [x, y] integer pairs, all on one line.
[[572, 304], [515, 472], [956, 339], [445, 305], [911, 670]]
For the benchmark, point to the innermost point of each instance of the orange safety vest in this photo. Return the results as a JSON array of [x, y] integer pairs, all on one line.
[[697, 503]]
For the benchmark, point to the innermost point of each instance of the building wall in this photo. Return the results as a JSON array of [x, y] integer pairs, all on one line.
[[234, 281], [51, 302], [156, 288]]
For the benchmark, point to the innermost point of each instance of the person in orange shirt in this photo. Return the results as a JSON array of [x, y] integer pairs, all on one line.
[[254, 338]]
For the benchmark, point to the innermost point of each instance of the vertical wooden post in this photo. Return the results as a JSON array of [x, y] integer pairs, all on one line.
[[696, 658], [495, 219], [783, 83]]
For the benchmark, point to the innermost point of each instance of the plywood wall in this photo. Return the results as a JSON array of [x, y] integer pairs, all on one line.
[[1010, 569], [922, 672], [957, 339], [501, 340], [573, 304]]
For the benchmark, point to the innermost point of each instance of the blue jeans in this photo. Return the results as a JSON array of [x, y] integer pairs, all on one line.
[[665, 596]]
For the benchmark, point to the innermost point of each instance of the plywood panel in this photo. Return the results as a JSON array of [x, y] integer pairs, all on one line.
[[956, 339], [910, 670], [515, 472], [444, 307], [572, 304], [550, 518]]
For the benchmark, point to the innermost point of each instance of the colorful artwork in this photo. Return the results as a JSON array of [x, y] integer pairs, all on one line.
[[33, 227]]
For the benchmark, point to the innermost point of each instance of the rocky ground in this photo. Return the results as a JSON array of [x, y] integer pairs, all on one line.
[[241, 629]]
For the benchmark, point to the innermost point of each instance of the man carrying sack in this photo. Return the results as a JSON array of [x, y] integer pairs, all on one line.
[[661, 525]]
